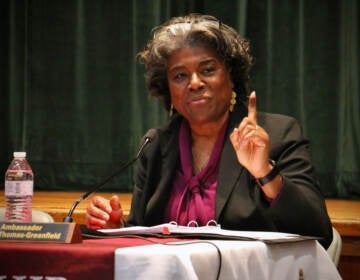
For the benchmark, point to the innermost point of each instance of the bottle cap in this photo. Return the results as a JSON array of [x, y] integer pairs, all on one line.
[[19, 154]]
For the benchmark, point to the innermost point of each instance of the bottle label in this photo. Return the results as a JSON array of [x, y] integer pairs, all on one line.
[[19, 188]]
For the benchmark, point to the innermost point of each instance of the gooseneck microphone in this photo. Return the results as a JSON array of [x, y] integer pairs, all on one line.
[[146, 139]]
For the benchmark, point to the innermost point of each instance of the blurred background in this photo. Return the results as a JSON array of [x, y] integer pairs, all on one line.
[[72, 94]]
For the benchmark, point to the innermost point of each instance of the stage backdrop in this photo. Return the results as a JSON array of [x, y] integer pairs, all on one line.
[[73, 96]]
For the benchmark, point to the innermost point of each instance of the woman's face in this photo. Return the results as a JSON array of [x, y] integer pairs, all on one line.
[[199, 84]]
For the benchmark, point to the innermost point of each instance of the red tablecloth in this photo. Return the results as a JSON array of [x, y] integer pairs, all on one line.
[[91, 259]]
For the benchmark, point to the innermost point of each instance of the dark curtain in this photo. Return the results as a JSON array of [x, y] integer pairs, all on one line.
[[307, 57], [73, 96]]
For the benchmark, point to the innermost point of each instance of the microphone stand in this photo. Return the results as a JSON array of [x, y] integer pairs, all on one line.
[[68, 218]]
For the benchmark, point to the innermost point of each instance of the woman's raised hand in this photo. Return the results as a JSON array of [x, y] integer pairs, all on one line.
[[251, 142]]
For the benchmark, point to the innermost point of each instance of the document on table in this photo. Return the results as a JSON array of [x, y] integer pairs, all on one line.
[[214, 232]]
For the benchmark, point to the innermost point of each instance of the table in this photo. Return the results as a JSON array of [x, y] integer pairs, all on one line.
[[133, 258], [91, 259], [344, 216]]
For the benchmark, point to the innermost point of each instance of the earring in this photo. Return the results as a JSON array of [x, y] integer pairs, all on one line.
[[171, 111], [232, 101]]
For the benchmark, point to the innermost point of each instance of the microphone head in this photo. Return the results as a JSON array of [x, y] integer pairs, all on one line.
[[147, 138], [150, 134]]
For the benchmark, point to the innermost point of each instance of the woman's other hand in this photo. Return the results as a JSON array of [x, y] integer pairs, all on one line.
[[104, 213]]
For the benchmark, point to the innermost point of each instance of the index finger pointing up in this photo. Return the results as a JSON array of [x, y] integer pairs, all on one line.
[[252, 113]]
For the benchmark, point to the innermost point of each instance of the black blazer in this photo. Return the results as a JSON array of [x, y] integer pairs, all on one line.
[[240, 203]]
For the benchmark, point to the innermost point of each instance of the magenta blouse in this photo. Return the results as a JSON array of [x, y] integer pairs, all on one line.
[[193, 196]]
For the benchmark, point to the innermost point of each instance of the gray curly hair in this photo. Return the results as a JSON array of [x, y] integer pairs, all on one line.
[[189, 31]]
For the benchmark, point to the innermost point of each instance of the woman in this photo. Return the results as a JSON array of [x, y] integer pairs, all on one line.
[[216, 159]]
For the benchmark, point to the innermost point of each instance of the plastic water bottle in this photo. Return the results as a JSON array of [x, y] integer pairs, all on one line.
[[19, 188]]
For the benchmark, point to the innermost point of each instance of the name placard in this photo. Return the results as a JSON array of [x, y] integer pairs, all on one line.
[[40, 232]]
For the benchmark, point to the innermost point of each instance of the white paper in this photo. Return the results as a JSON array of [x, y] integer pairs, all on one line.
[[201, 231]]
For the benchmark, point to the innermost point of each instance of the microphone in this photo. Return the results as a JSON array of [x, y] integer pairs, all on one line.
[[145, 140]]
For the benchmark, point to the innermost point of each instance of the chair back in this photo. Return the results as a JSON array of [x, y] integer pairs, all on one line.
[[335, 247]]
